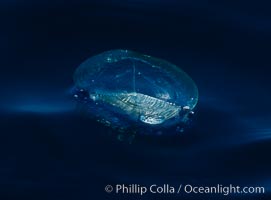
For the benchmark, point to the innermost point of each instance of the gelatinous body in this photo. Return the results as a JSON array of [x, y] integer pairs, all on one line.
[[125, 87], [148, 109]]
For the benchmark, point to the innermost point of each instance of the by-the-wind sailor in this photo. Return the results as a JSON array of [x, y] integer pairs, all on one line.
[[123, 88]]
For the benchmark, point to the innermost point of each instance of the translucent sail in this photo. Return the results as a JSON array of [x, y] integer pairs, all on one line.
[[130, 86]]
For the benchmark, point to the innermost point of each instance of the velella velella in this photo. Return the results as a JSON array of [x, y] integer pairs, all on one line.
[[123, 88]]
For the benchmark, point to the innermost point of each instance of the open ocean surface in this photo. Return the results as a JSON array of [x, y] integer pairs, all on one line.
[[50, 151]]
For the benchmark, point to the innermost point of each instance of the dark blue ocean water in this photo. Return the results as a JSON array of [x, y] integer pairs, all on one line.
[[49, 151]]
